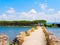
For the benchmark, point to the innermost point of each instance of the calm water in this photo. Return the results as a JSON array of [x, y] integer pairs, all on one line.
[[55, 31], [13, 31]]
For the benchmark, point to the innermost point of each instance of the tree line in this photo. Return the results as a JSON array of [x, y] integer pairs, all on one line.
[[21, 23]]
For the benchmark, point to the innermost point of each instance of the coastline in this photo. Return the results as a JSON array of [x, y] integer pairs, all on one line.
[[48, 35], [28, 26]]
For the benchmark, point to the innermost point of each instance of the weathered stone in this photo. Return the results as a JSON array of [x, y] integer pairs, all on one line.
[[3, 39], [32, 30], [22, 34], [20, 39], [53, 40]]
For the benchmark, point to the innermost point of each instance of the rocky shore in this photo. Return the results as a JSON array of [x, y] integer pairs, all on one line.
[[3, 39], [51, 38], [35, 36]]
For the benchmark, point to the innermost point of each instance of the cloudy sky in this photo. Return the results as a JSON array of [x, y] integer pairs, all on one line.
[[30, 10]]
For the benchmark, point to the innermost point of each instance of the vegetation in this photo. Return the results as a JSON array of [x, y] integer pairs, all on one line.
[[21, 23], [25, 23], [51, 25]]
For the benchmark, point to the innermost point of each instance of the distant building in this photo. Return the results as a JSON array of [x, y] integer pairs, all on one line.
[[39, 24]]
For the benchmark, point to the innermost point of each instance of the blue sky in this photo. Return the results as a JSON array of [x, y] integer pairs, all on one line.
[[30, 10]]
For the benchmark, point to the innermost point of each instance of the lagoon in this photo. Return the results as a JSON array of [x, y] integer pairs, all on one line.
[[13, 31]]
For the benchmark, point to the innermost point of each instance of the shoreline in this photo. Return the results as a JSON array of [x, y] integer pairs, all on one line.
[[47, 36], [32, 37], [27, 26], [32, 33]]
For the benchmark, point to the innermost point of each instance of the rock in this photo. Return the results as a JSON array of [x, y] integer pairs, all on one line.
[[30, 31], [53, 40], [3, 39], [20, 38], [22, 34]]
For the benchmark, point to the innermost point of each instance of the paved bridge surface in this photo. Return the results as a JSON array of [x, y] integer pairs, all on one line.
[[36, 38]]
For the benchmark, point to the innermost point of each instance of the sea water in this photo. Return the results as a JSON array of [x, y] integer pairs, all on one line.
[[13, 31]]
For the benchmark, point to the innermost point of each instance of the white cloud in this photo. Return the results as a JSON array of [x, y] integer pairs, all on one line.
[[32, 15], [58, 12], [33, 11], [10, 11], [4, 16], [41, 16], [43, 6], [51, 9]]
